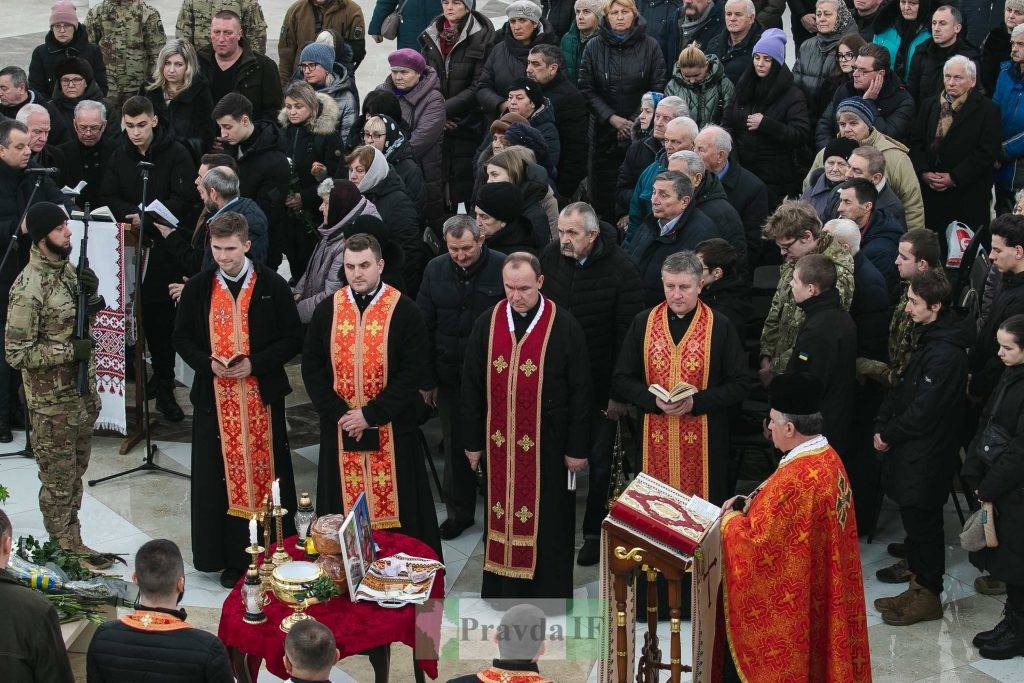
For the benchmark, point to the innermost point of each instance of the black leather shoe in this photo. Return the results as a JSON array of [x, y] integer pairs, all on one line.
[[589, 551], [167, 406], [1009, 644], [5, 430], [229, 577], [453, 528], [897, 550], [986, 637]]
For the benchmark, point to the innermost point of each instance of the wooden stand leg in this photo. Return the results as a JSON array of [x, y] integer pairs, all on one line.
[[380, 660], [621, 675], [652, 651], [675, 599]]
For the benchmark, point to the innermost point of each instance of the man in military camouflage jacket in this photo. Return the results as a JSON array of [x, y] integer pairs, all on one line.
[[40, 341], [129, 34]]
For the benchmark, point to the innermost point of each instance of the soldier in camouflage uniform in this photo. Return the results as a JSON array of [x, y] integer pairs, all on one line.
[[195, 16], [797, 230], [40, 342], [130, 35]]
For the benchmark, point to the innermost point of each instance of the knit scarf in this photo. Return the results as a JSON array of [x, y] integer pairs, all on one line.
[[448, 36], [947, 108]]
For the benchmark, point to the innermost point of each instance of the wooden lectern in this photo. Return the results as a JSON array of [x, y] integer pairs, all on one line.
[[629, 552]]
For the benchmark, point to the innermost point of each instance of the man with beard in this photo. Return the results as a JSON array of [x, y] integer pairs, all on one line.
[[362, 365], [526, 397], [236, 326], [590, 276], [40, 341], [87, 152]]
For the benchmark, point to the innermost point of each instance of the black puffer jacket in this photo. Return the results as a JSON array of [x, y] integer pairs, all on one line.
[[263, 175], [534, 188], [649, 248], [640, 155], [604, 296], [1003, 482], [711, 200], [749, 196], [65, 107], [614, 74], [315, 140], [399, 214], [729, 296], [505, 64], [189, 114], [920, 418], [894, 107], [402, 160], [571, 119], [925, 79], [773, 151], [986, 367], [560, 14], [994, 51], [514, 236], [452, 298], [42, 69]]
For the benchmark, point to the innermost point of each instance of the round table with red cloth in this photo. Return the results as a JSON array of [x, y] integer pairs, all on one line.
[[357, 626]]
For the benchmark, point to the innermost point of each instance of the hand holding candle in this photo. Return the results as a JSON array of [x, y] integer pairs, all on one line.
[[275, 492]]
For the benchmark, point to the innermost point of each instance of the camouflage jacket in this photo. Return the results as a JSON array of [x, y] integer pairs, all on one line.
[[903, 334], [785, 317], [195, 16], [40, 327], [130, 35]]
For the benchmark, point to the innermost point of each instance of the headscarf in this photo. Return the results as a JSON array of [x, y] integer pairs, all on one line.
[[377, 172], [844, 19], [394, 137], [344, 197]]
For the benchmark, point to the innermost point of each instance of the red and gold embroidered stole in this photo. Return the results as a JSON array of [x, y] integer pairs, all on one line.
[[515, 383], [145, 620], [793, 589], [359, 357], [246, 440], [676, 447], [495, 675]]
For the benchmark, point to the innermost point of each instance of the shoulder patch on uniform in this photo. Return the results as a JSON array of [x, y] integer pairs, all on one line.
[[357, 32], [803, 356]]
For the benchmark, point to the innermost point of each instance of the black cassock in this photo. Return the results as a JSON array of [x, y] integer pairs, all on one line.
[[565, 431], [219, 539], [399, 403]]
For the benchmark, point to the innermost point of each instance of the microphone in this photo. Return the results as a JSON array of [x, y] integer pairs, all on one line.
[[145, 164], [47, 171]]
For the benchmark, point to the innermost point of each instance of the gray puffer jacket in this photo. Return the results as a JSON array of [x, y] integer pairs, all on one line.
[[816, 65], [706, 100]]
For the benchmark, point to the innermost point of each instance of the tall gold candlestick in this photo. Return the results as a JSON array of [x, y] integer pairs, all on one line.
[[280, 555]]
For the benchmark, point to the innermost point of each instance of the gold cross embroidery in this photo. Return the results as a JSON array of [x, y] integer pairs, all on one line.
[[498, 439], [382, 478], [843, 500], [524, 514], [657, 436], [690, 438], [346, 327], [528, 367], [526, 443], [353, 479], [500, 364], [374, 328], [691, 364], [499, 511]]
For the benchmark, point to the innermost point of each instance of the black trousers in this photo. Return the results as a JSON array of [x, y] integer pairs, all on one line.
[[158, 325], [606, 156], [926, 555], [459, 480], [1015, 600], [600, 476]]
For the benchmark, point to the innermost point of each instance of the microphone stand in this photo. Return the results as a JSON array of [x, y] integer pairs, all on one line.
[[25, 452], [141, 381]]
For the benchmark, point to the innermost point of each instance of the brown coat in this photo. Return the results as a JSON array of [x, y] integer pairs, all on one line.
[[298, 29]]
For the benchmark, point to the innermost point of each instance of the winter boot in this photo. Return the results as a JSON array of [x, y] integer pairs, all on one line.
[[896, 573], [167, 404], [914, 605], [1009, 643]]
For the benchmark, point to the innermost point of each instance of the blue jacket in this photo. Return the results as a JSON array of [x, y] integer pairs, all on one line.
[[640, 202], [890, 40], [416, 14], [662, 18], [1009, 96]]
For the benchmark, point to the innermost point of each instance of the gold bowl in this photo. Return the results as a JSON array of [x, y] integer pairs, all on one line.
[[291, 582]]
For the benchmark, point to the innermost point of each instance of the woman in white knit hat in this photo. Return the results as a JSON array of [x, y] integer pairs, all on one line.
[[507, 61]]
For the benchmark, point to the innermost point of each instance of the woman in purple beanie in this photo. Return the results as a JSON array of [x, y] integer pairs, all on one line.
[[768, 118]]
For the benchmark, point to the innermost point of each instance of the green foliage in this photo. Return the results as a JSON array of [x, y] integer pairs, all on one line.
[[4, 493], [69, 561]]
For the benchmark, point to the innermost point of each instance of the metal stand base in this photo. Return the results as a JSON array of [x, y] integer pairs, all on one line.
[[147, 466]]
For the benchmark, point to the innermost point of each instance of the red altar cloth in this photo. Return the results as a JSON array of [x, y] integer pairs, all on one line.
[[357, 626]]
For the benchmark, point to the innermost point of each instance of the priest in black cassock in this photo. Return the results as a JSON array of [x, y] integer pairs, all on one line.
[[236, 326], [685, 443], [526, 395], [362, 364]]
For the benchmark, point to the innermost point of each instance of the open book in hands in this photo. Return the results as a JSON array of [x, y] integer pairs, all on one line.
[[229, 362], [678, 393]]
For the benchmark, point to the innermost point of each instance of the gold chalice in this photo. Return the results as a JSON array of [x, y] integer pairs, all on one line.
[[291, 583]]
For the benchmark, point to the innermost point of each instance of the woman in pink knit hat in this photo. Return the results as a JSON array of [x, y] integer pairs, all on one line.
[[67, 38]]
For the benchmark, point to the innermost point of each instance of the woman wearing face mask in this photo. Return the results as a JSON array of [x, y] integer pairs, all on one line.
[[368, 168], [768, 117], [340, 205], [825, 180], [181, 96], [589, 14], [384, 134], [1000, 481], [900, 28], [818, 54], [700, 80], [66, 38]]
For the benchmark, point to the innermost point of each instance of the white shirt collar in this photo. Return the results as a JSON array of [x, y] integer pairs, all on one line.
[[807, 446]]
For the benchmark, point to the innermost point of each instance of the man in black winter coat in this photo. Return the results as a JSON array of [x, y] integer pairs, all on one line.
[[642, 153], [458, 286], [700, 21], [895, 106], [546, 65], [586, 272], [171, 179], [263, 170], [826, 346], [675, 224], [231, 66], [917, 434], [16, 187], [154, 642], [724, 290], [15, 94], [925, 78], [880, 232], [87, 152], [734, 46]]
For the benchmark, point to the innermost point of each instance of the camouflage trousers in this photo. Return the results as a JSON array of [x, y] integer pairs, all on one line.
[[62, 442]]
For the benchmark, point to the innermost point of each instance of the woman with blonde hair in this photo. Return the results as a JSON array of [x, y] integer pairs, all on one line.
[[517, 165], [181, 96], [700, 80]]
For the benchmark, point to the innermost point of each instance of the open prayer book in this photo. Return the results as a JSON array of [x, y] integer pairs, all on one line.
[[677, 393], [229, 362], [101, 213], [664, 514], [74, 191], [158, 212]]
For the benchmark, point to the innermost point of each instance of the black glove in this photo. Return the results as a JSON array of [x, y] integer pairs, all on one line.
[[88, 282], [83, 348]]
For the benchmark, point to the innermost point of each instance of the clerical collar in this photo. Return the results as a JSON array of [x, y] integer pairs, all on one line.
[[539, 308], [813, 444], [363, 301], [241, 273]]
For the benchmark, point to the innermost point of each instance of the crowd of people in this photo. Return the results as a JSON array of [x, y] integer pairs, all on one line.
[[587, 170]]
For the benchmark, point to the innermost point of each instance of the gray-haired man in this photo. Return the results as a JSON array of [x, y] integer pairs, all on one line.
[[87, 151]]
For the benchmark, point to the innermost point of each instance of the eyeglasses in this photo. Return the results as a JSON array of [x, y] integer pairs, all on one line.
[[862, 70], [845, 56], [63, 27], [308, 66], [89, 129], [374, 136], [784, 248], [72, 80]]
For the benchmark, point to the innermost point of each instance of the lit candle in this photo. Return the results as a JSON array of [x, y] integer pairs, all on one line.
[[252, 531], [275, 493]]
